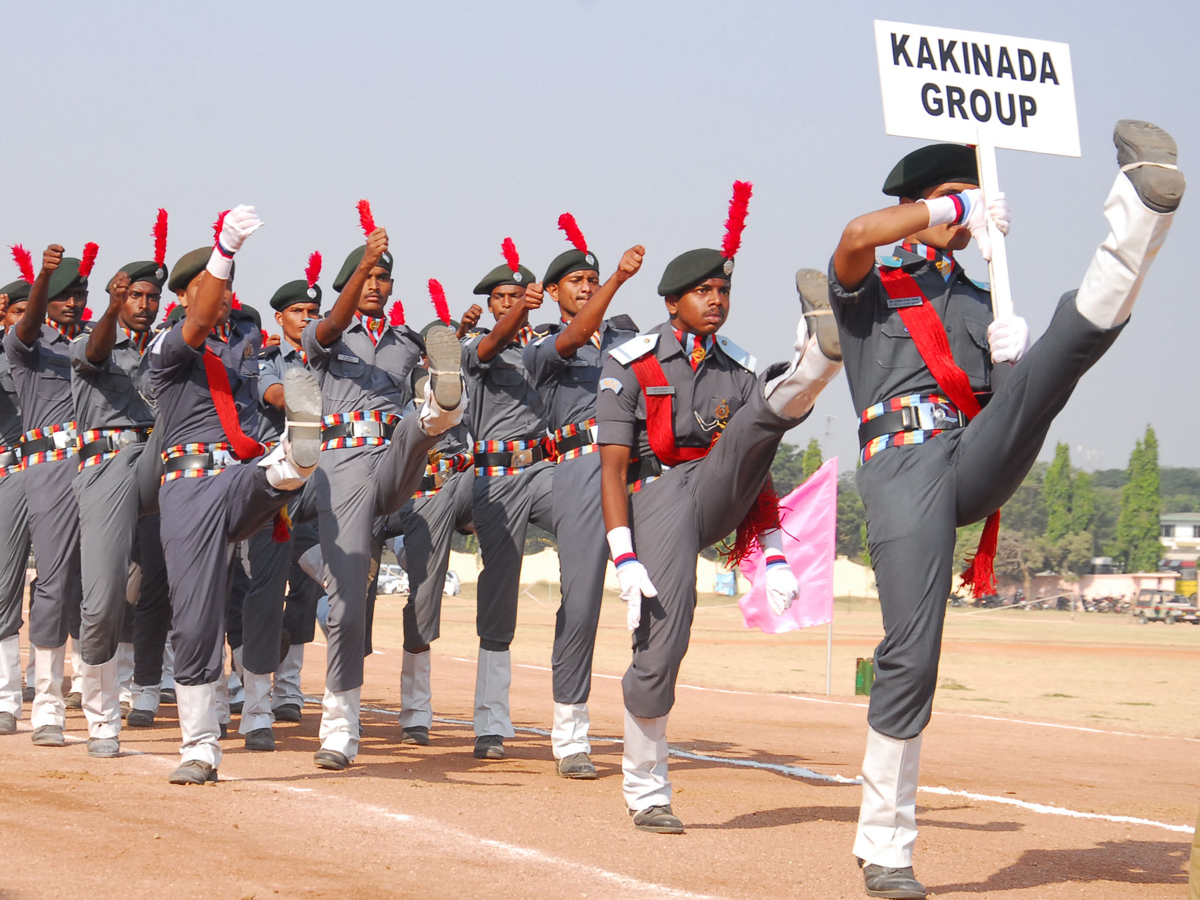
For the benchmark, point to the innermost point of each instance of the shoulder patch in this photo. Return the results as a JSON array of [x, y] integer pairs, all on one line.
[[611, 384], [737, 354], [889, 262], [635, 349], [985, 286]]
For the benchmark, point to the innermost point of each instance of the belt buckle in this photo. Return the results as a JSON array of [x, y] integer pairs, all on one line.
[[223, 459], [362, 428], [124, 439], [63, 439], [937, 416], [521, 458]]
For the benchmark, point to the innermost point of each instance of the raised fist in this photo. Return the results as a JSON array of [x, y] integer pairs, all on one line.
[[51, 258], [533, 296], [377, 245], [630, 262], [239, 223], [471, 317]]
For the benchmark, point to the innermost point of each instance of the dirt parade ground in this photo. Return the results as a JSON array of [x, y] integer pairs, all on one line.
[[1061, 762]]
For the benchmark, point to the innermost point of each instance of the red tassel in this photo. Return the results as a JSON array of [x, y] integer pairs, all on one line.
[[567, 223], [763, 516], [440, 306], [87, 315], [739, 206], [313, 272], [90, 251], [510, 254], [217, 226], [170, 306], [160, 238], [365, 219], [235, 303], [24, 261], [980, 574], [281, 528], [396, 315]]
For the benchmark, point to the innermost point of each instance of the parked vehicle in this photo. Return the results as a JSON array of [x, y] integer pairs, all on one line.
[[1164, 606]]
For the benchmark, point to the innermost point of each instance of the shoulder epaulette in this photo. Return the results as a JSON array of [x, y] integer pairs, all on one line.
[[984, 286], [478, 331], [889, 262], [540, 331], [268, 352], [737, 354], [623, 323], [635, 349]]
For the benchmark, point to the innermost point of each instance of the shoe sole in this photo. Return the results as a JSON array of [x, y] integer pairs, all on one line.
[[490, 753], [660, 829], [1160, 189], [189, 779], [445, 357], [896, 895], [55, 742], [813, 287], [579, 776], [302, 404]]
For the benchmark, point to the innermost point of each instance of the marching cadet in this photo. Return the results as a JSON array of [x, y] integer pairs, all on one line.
[[14, 523], [37, 346], [565, 368], [372, 461], [218, 488], [687, 434], [268, 554], [923, 356], [117, 458], [513, 479]]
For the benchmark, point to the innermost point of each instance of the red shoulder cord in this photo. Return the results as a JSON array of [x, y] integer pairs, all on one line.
[[244, 446], [929, 334]]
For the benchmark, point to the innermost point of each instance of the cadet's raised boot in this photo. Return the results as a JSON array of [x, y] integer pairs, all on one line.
[[48, 706], [339, 729], [200, 729], [443, 405], [813, 287], [794, 392], [569, 741], [887, 820], [493, 676], [1139, 210], [644, 764], [416, 699]]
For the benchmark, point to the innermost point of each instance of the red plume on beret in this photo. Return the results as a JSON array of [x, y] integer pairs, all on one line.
[[24, 262], [90, 250], [738, 207], [217, 226], [87, 315], [510, 254], [160, 238], [396, 314], [438, 294], [567, 223], [170, 306], [365, 219], [313, 272], [235, 303]]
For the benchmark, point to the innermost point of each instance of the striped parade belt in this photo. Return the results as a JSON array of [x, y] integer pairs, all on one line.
[[575, 440], [10, 460], [357, 429], [98, 444], [510, 457], [49, 444], [642, 472], [197, 460], [905, 421], [439, 469]]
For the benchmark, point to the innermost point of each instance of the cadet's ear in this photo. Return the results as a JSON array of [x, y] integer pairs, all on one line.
[[672, 302], [552, 290]]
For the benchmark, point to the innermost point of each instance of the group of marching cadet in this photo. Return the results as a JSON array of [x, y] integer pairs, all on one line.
[[192, 485]]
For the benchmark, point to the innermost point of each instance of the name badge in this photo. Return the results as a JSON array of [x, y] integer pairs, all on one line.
[[346, 357], [660, 391], [902, 302]]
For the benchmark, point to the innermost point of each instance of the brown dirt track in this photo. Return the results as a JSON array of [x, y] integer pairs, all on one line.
[[433, 822]]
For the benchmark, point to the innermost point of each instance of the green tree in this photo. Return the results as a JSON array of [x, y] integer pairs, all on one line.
[[1083, 503], [812, 458], [851, 519], [787, 469], [1056, 491], [1138, 524]]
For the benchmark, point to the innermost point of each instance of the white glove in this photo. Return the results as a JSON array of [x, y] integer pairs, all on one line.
[[240, 222], [1009, 338], [976, 220], [631, 575], [782, 588]]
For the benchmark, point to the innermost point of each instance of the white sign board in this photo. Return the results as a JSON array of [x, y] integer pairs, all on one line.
[[943, 84]]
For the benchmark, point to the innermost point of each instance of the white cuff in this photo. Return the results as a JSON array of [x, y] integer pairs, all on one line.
[[942, 210], [219, 265], [620, 541], [771, 541]]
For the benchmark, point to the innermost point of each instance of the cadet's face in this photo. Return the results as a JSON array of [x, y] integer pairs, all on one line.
[[13, 312], [944, 237], [502, 299], [376, 291], [573, 291], [293, 318], [703, 309], [141, 306], [66, 309]]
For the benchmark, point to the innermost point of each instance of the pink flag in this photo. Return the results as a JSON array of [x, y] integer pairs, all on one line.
[[809, 518]]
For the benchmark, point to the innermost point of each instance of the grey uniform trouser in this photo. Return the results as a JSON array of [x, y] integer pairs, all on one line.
[[202, 519], [14, 553], [673, 519], [503, 507], [109, 508], [54, 530], [582, 558], [353, 488], [916, 496], [428, 525], [152, 615], [300, 606]]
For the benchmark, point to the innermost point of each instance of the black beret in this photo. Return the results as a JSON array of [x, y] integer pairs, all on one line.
[[146, 270], [295, 292], [689, 269], [16, 290], [352, 261], [502, 275], [189, 266], [571, 261], [929, 166], [66, 277], [176, 313]]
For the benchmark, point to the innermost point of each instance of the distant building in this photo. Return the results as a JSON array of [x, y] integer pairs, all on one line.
[[1180, 534]]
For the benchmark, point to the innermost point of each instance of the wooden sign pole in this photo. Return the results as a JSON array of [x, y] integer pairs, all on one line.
[[989, 183]]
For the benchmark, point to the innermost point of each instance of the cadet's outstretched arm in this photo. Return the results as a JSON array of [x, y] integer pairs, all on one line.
[[341, 317], [588, 320], [30, 323]]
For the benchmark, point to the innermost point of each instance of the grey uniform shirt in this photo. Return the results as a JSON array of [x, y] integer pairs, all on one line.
[[505, 406], [10, 410], [272, 363], [111, 394], [702, 402], [567, 385], [42, 375], [881, 358], [186, 413], [357, 374]]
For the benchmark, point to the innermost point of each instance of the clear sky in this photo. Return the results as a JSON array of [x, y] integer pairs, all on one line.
[[467, 122]]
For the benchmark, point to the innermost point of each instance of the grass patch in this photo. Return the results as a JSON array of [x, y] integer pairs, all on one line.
[[1133, 703], [1063, 696], [949, 684]]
